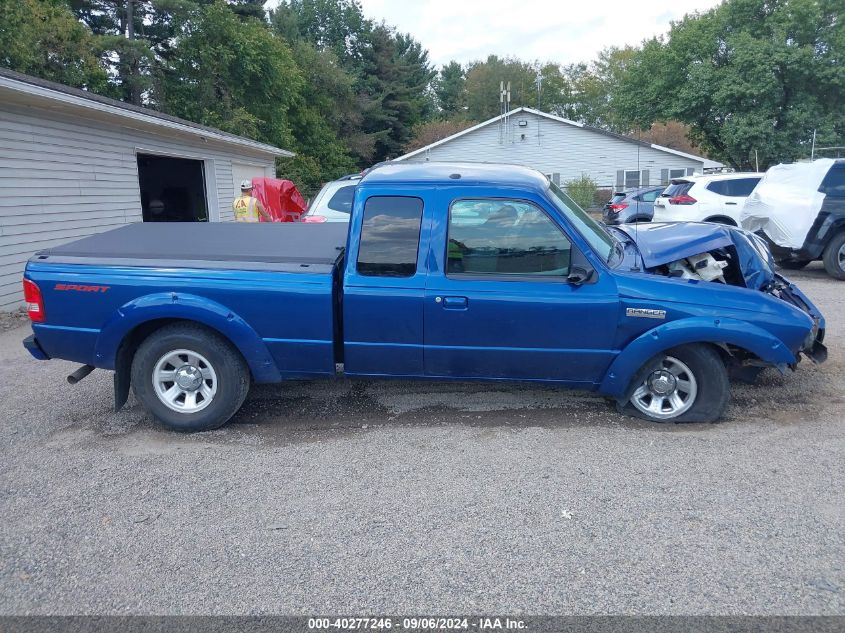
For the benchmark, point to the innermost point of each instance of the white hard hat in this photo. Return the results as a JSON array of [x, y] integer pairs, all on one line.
[[246, 184]]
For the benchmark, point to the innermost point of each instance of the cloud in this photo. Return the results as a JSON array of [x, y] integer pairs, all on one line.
[[563, 32]]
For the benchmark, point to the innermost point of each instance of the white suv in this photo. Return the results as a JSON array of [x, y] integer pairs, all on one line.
[[333, 203], [717, 198]]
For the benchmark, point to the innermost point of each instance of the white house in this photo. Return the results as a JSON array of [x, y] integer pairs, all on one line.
[[563, 150], [73, 163]]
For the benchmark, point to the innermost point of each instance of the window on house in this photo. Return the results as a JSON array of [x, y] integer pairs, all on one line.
[[632, 179], [677, 173]]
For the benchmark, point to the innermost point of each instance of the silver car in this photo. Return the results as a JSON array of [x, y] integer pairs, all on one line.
[[333, 202]]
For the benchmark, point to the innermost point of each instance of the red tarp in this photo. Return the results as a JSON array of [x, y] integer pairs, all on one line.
[[280, 197]]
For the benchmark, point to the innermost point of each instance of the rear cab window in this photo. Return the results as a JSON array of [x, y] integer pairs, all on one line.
[[390, 236]]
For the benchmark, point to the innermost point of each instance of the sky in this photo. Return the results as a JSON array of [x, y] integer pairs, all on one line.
[[563, 31]]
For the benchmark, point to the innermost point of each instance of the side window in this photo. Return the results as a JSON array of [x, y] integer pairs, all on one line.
[[720, 187], [834, 183], [650, 196], [505, 237], [743, 186], [342, 199], [390, 236]]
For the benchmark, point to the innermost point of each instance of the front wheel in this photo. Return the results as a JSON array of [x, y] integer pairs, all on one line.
[[684, 384], [189, 377]]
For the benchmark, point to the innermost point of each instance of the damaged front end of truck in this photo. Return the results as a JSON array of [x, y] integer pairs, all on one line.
[[725, 255]]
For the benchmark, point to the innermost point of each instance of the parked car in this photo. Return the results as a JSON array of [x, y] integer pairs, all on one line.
[[333, 202], [631, 205], [453, 271], [716, 198], [800, 211]]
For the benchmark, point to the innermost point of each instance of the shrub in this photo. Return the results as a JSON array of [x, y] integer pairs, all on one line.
[[582, 190]]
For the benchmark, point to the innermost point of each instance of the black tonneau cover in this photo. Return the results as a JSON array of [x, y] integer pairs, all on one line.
[[296, 247]]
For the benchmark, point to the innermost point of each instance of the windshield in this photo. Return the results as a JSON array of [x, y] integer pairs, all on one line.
[[603, 244]]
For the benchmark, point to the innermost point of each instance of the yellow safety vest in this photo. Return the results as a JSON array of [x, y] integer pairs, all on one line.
[[245, 209]]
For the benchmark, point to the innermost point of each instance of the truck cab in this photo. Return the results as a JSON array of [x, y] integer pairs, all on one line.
[[452, 273]]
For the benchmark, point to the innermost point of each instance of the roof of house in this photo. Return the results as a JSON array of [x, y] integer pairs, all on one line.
[[553, 117], [56, 93]]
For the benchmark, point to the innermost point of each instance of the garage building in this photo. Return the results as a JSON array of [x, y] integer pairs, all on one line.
[[563, 150], [73, 163]]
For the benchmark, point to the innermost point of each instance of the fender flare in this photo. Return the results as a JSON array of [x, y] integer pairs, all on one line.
[[692, 330], [187, 307]]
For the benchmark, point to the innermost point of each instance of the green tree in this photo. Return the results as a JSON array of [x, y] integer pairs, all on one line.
[[43, 38], [323, 121], [394, 90], [450, 90], [747, 75], [335, 25], [232, 74], [483, 82]]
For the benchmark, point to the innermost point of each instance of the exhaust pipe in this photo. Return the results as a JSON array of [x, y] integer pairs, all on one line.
[[80, 373]]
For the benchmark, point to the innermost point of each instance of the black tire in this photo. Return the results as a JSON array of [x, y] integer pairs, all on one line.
[[711, 377], [793, 264], [232, 377], [834, 261]]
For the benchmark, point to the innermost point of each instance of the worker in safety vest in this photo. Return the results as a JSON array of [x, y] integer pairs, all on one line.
[[247, 208]]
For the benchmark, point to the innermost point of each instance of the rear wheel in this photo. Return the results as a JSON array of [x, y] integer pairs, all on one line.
[[834, 256], [189, 377], [793, 264], [684, 384]]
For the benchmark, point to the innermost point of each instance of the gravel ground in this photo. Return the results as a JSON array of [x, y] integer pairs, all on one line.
[[354, 497]]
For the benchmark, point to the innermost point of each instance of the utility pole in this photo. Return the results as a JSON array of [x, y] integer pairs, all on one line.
[[813, 148], [134, 78]]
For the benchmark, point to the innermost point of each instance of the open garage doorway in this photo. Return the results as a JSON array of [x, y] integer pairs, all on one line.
[[172, 189]]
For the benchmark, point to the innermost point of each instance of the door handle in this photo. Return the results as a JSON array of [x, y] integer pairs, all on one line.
[[454, 303], [731, 203]]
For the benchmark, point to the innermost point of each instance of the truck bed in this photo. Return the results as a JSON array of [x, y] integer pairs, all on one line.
[[302, 248], [275, 284]]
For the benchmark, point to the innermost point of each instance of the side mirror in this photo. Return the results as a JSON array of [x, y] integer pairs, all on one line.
[[579, 275]]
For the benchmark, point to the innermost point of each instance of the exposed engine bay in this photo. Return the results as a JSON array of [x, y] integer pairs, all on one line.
[[704, 252], [705, 267]]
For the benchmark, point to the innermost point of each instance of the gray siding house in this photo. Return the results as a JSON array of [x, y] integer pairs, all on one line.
[[73, 164], [563, 150]]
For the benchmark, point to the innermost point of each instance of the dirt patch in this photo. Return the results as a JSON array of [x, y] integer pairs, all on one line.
[[14, 319]]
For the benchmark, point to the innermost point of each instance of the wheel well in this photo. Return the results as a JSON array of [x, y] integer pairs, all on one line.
[[721, 219], [137, 335]]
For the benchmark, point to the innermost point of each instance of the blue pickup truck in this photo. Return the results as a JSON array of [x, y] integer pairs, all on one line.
[[445, 271]]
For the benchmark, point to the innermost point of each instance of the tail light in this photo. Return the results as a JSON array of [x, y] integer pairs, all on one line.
[[34, 301], [682, 199], [616, 208], [313, 219]]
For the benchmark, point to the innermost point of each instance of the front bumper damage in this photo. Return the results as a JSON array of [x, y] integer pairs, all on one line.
[[813, 346]]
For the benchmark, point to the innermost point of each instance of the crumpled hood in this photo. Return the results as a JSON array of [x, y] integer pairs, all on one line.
[[661, 243]]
